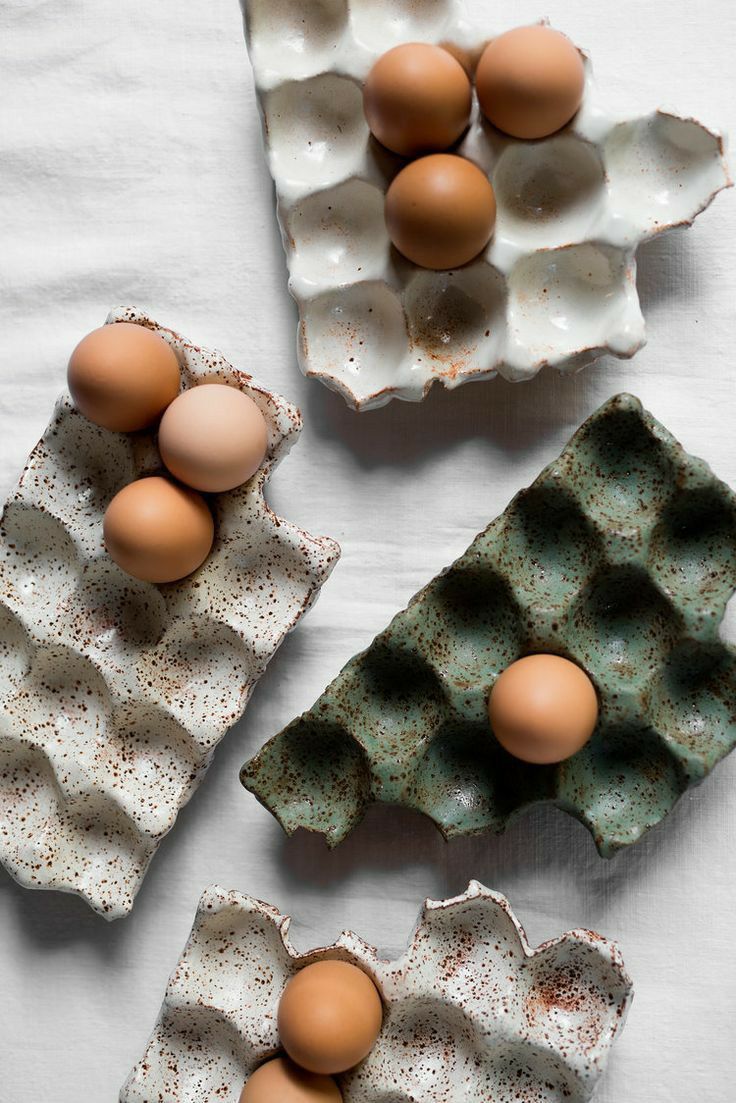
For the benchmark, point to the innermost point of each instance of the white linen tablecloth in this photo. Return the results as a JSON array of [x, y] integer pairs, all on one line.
[[132, 172]]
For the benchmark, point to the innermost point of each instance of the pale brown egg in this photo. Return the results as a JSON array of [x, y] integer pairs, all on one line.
[[158, 531], [530, 81], [440, 211], [543, 709], [281, 1081], [213, 437], [329, 1017], [123, 377], [417, 99]]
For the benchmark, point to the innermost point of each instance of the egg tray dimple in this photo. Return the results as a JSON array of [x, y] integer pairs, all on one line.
[[471, 1012], [115, 693], [621, 557], [557, 284]]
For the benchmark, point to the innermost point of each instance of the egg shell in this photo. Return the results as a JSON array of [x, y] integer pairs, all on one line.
[[530, 81], [330, 1015], [213, 437], [417, 99], [123, 376], [440, 211], [281, 1081], [543, 709], [158, 531]]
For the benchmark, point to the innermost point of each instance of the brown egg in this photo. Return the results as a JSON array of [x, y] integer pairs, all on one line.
[[530, 81], [213, 437], [329, 1017], [543, 709], [417, 99], [440, 211], [158, 531], [280, 1081], [123, 377]]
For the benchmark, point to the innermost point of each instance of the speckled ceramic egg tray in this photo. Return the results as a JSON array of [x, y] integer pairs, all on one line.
[[470, 1011], [557, 284], [622, 557], [114, 693]]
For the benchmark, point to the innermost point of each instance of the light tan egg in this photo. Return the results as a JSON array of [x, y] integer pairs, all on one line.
[[329, 1017], [543, 709], [213, 437], [281, 1081], [440, 211], [158, 531], [123, 377], [530, 81], [417, 99]]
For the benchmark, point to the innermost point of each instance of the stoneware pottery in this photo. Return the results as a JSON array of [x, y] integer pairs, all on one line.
[[622, 557], [471, 1012], [557, 284], [115, 693]]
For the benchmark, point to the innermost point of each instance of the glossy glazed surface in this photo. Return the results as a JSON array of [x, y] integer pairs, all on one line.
[[556, 285]]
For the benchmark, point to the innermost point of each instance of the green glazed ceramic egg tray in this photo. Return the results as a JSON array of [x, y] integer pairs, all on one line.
[[622, 557]]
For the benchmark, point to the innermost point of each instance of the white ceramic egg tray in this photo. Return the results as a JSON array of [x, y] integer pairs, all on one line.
[[115, 693], [557, 284], [471, 1012]]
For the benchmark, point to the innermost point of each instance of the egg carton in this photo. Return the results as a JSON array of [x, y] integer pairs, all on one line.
[[470, 1010], [114, 693], [621, 557], [557, 284]]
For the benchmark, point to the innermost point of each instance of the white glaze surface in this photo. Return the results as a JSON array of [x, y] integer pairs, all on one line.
[[115, 693], [556, 285], [471, 1012]]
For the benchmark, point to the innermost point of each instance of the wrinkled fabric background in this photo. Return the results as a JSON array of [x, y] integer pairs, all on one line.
[[132, 172]]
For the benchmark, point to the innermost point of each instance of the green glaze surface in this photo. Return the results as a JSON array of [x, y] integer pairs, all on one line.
[[622, 557]]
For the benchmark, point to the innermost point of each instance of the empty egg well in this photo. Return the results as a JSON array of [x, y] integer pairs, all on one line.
[[457, 319], [549, 193], [316, 131], [290, 40]]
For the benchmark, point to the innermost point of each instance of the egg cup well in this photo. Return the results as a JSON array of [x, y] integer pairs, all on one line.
[[621, 556], [471, 1012], [557, 284], [114, 693]]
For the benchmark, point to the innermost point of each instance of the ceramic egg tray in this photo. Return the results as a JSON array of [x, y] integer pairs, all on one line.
[[557, 284], [114, 693], [622, 557], [470, 1011]]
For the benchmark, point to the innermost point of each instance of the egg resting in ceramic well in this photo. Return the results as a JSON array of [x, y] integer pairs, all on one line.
[[213, 437], [158, 531], [281, 1081], [543, 709], [440, 211], [329, 1017], [417, 99], [530, 82], [123, 377]]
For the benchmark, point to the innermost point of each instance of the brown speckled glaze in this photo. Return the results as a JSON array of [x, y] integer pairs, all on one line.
[[471, 1012], [114, 693], [621, 557], [556, 285]]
